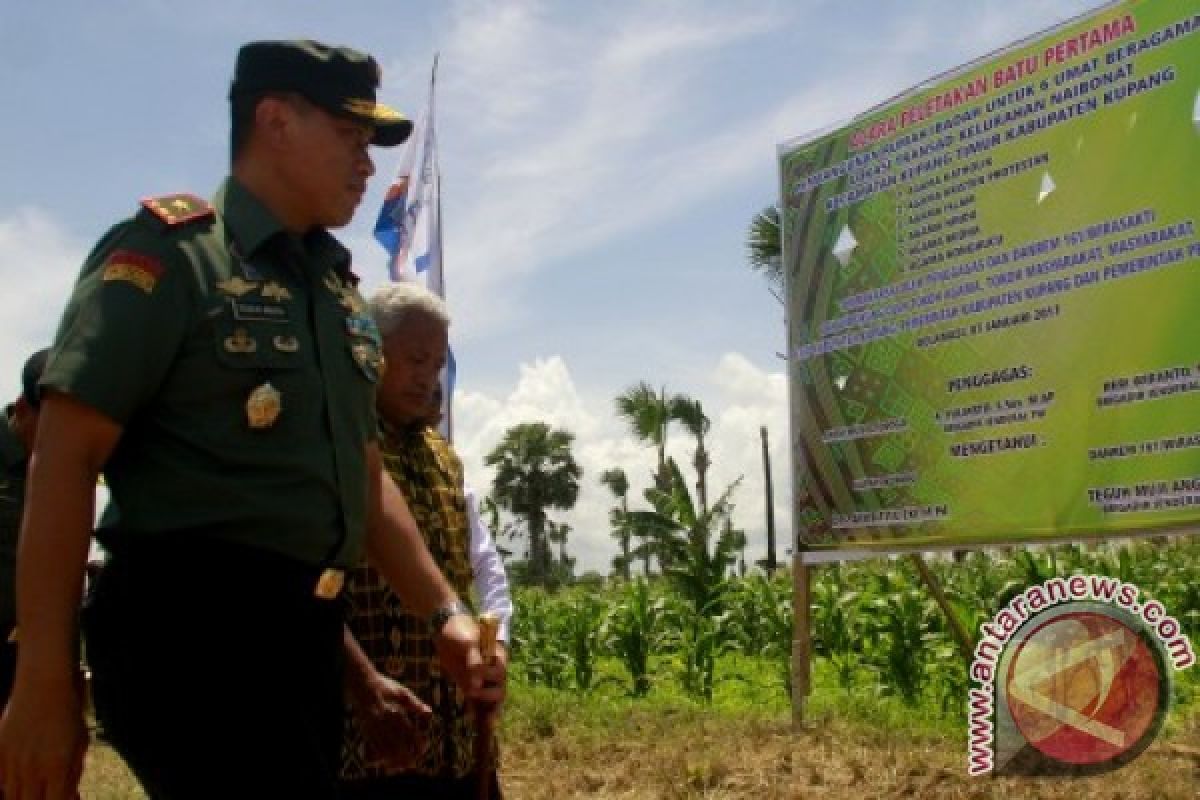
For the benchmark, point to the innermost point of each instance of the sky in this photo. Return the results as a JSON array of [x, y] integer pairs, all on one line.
[[600, 162]]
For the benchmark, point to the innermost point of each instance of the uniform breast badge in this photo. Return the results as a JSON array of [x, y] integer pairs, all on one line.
[[363, 326], [240, 342], [263, 406], [368, 359], [236, 286], [273, 291], [333, 283], [352, 301]]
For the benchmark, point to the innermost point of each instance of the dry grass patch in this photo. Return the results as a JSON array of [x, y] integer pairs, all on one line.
[[722, 759], [686, 756]]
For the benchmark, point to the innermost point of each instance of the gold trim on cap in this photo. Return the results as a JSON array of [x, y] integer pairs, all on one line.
[[369, 108]]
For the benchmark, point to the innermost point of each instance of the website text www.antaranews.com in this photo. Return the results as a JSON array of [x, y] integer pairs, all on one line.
[[997, 632]]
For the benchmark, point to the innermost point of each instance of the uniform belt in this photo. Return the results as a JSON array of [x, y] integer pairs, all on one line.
[[216, 562]]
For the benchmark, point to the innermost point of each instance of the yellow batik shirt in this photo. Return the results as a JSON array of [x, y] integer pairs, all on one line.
[[398, 643]]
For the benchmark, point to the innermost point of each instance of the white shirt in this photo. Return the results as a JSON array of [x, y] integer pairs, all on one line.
[[491, 581]]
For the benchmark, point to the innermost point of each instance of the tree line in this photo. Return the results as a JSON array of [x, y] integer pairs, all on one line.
[[678, 530]]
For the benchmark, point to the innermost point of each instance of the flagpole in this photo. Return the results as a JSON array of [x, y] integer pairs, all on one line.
[[449, 379], [437, 177]]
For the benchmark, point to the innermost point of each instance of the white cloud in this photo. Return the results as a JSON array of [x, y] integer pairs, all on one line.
[[38, 265], [559, 133], [737, 396], [560, 136]]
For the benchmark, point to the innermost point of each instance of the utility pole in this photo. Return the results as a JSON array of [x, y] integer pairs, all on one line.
[[772, 563]]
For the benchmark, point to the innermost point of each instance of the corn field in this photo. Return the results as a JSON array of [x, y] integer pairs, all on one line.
[[876, 629]]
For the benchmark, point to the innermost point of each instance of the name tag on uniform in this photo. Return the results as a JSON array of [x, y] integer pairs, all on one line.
[[250, 311]]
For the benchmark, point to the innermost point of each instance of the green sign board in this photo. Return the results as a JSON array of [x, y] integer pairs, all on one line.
[[993, 293]]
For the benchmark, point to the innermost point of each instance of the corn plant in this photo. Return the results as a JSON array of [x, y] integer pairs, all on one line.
[[762, 623], [834, 613], [838, 620], [901, 617], [698, 638], [539, 640], [582, 615], [630, 631]]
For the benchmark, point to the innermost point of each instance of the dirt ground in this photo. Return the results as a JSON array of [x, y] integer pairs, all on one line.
[[671, 757], [711, 759]]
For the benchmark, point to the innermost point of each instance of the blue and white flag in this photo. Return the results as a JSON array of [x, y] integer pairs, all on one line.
[[410, 225]]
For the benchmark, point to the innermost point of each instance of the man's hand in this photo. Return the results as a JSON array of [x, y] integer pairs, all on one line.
[[457, 645], [42, 742], [387, 713], [495, 682]]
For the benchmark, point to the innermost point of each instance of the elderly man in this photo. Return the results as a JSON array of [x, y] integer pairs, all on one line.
[[409, 732], [217, 364]]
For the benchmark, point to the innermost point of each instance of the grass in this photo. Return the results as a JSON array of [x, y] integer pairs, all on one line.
[[606, 744], [858, 741]]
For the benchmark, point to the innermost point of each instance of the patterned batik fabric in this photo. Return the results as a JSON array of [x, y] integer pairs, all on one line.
[[398, 643]]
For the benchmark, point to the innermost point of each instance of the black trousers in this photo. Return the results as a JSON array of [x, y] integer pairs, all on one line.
[[216, 671], [418, 787], [8, 669]]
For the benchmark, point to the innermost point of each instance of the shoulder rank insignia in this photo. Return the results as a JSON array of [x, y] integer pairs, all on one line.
[[176, 209], [141, 270]]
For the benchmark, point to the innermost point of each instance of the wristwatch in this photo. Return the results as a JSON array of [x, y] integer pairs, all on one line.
[[439, 618]]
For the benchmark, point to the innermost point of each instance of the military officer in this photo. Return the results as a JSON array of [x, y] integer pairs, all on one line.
[[217, 363]]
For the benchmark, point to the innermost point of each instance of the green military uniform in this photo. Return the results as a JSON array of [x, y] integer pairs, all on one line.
[[241, 363], [399, 643]]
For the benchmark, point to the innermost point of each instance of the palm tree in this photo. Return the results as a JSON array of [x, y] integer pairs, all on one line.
[[648, 413], [489, 514], [695, 553], [764, 245], [697, 548], [557, 533], [562, 569], [690, 414], [617, 482], [535, 471], [739, 543]]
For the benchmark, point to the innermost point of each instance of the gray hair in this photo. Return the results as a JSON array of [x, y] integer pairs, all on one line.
[[395, 302]]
